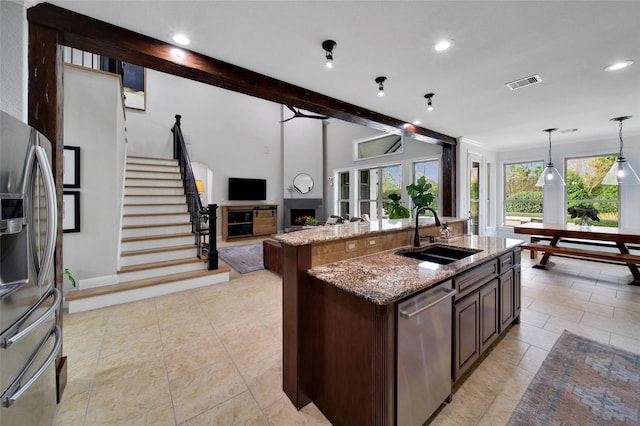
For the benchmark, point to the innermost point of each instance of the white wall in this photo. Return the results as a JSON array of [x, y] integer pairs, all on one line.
[[14, 38], [94, 121], [302, 154]]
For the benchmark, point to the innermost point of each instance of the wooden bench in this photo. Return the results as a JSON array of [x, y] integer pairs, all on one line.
[[534, 247], [577, 252]]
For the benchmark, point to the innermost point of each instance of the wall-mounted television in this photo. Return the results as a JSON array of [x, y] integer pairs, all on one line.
[[244, 189]]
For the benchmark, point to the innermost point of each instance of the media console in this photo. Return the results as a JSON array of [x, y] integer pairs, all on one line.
[[249, 221]]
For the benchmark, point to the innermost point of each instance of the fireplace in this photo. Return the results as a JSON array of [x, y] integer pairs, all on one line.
[[300, 216], [296, 208]]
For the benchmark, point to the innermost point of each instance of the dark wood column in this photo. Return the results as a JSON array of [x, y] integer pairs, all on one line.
[[45, 114], [449, 181]]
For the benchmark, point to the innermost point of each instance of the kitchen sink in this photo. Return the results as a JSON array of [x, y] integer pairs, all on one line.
[[442, 255]]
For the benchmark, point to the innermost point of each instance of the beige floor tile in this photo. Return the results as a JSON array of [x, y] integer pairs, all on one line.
[[614, 325], [129, 343], [240, 410], [158, 416], [533, 317], [626, 343], [533, 358], [264, 379], [115, 368], [115, 403], [282, 412], [190, 358], [195, 392], [545, 305], [558, 325]]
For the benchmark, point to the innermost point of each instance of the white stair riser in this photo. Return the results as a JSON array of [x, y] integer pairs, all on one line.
[[157, 243], [145, 293], [160, 208], [154, 190], [153, 183], [152, 174], [160, 272], [156, 199], [159, 230], [142, 259], [149, 219]]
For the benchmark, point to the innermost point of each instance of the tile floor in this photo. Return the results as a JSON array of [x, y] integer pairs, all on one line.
[[213, 355]]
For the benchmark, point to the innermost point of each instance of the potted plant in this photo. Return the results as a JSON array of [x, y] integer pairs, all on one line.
[[312, 221], [585, 214], [420, 193], [397, 211]]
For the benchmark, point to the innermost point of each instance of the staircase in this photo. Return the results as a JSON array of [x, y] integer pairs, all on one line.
[[158, 251]]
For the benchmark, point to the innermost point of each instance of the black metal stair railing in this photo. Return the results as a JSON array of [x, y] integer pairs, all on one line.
[[205, 236]]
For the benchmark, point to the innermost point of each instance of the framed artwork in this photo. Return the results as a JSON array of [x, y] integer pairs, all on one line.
[[71, 211], [71, 168], [134, 85]]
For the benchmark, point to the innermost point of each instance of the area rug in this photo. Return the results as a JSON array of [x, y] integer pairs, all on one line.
[[244, 258], [582, 382]]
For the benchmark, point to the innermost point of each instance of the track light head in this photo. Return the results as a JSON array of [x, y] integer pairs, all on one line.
[[328, 46], [428, 97], [380, 81]]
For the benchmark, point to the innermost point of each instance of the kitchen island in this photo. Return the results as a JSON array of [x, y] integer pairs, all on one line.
[[340, 316]]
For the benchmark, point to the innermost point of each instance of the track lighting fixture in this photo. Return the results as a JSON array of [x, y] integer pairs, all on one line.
[[428, 97], [550, 175], [621, 172], [380, 81], [328, 46]]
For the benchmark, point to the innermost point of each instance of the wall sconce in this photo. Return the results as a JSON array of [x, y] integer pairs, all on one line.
[[621, 172], [550, 175], [328, 46], [380, 81], [428, 97]]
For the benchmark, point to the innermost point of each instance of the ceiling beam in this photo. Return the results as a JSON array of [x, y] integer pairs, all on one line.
[[89, 34]]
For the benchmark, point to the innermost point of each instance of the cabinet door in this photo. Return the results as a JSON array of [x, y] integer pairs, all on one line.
[[489, 321], [264, 221], [507, 298], [466, 326]]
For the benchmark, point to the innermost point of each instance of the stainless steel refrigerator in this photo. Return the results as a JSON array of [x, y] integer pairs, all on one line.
[[29, 337]]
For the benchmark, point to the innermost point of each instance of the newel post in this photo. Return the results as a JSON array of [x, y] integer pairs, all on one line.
[[212, 257]]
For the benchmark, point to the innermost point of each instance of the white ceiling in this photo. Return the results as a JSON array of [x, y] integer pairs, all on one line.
[[568, 43]]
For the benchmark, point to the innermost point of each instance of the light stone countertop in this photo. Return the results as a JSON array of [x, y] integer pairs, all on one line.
[[344, 231], [385, 277]]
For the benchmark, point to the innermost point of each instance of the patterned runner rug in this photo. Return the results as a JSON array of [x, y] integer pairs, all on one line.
[[582, 382], [244, 258]]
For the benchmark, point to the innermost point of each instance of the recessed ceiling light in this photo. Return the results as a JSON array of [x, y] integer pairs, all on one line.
[[177, 53], [443, 45], [415, 123], [181, 39], [618, 65]]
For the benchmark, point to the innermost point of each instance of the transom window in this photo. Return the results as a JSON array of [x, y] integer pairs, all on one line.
[[377, 146]]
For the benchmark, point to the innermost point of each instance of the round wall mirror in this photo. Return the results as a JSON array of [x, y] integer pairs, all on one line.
[[303, 183]]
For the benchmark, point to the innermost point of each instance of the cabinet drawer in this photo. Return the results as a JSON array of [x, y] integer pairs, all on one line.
[[468, 281], [505, 262]]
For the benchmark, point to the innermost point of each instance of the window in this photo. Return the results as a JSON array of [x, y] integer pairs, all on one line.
[[374, 188], [343, 194], [584, 188], [522, 198], [377, 146], [430, 169]]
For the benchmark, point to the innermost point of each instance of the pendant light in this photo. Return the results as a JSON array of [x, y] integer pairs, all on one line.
[[621, 172], [550, 175]]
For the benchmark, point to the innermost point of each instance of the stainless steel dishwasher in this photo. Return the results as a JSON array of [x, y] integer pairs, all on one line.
[[424, 354]]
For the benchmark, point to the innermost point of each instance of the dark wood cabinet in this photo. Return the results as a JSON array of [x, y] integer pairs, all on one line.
[[486, 304]]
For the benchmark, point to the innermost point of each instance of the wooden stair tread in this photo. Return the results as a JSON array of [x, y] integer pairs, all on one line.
[[156, 225], [154, 195], [158, 250], [147, 282], [156, 214], [156, 237], [153, 204], [155, 265], [155, 187], [164, 179]]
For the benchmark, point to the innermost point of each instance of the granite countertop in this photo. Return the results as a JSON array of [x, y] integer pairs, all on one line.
[[385, 277], [343, 231]]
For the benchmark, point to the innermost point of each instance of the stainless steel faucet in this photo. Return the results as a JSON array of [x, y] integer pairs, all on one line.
[[416, 237]]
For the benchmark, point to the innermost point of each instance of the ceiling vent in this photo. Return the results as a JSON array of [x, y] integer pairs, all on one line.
[[524, 82]]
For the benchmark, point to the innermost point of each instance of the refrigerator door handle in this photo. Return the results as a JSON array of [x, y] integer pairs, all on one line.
[[52, 214], [12, 334], [16, 389]]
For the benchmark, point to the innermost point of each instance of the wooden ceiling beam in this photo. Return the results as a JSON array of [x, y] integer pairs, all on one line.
[[92, 35]]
